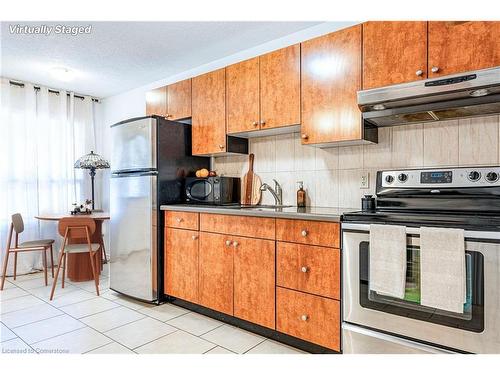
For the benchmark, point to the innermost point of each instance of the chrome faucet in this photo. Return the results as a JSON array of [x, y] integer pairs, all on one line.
[[277, 192]]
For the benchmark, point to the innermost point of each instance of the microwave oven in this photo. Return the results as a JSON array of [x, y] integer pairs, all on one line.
[[213, 190]]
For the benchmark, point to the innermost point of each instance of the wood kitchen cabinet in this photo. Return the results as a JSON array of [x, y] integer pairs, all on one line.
[[331, 77], [394, 52], [254, 280], [181, 263], [264, 92], [216, 272], [461, 46], [209, 113], [172, 102]]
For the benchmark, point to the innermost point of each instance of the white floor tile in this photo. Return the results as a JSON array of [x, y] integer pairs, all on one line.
[[80, 341], [111, 295], [14, 292], [234, 339], [113, 318], [5, 333], [195, 324], [28, 276], [30, 315], [112, 348], [47, 328], [37, 282], [179, 342], [44, 291], [20, 303], [164, 312], [89, 307], [140, 332], [71, 297], [131, 303], [219, 350], [15, 346], [8, 285], [89, 286], [273, 347]]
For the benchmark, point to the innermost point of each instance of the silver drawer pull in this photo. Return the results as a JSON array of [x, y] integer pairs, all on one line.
[[235, 243], [304, 269], [304, 318], [179, 219], [228, 243], [194, 237], [304, 233]]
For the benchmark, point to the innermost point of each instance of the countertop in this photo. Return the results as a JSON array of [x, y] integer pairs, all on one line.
[[306, 213]]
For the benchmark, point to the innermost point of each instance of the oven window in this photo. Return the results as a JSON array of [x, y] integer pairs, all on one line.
[[471, 320], [200, 189]]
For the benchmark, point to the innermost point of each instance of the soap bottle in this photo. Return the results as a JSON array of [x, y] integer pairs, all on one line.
[[301, 195]]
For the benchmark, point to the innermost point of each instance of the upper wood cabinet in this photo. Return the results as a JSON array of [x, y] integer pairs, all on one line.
[[209, 113], [331, 77], [456, 47], [264, 92], [254, 280], [179, 100], [156, 102], [394, 52], [181, 264], [172, 102]]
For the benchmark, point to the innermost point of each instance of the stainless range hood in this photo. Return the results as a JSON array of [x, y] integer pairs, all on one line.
[[455, 96]]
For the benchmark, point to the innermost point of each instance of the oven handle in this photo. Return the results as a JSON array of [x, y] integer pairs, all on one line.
[[393, 339], [468, 234]]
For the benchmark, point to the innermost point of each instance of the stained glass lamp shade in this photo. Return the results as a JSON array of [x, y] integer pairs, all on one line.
[[92, 161]]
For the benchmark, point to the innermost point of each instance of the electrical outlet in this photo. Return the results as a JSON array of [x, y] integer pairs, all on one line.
[[365, 180]]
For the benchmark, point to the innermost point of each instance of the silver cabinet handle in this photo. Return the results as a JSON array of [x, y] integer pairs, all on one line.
[[419, 72], [263, 122], [235, 243], [221, 147], [194, 237], [304, 136], [255, 123], [304, 269], [179, 219], [228, 243], [303, 233], [435, 69], [304, 318]]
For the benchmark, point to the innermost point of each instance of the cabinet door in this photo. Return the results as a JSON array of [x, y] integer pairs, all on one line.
[[216, 273], [209, 113], [254, 280], [156, 102], [179, 100], [280, 88], [243, 96], [331, 77], [394, 52], [456, 47], [181, 264]]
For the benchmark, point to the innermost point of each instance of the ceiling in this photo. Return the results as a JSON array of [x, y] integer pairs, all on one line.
[[118, 56]]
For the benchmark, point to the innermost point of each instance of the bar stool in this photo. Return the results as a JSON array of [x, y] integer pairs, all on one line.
[[77, 229], [17, 225]]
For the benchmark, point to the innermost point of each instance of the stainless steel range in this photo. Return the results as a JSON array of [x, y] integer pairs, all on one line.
[[467, 198]]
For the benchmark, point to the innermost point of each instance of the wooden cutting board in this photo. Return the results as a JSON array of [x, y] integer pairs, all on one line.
[[251, 184]]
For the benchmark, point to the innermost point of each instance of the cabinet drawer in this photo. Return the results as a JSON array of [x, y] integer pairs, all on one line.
[[247, 226], [311, 318], [311, 269], [182, 220], [320, 233]]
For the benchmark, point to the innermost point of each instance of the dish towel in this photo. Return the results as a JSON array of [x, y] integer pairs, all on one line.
[[442, 269], [388, 259]]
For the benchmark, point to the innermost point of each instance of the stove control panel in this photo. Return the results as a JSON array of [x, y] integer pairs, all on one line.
[[446, 177]]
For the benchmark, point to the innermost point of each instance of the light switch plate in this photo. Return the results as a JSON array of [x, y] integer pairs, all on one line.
[[365, 180]]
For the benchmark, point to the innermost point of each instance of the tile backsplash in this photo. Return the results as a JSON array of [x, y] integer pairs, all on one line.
[[332, 176]]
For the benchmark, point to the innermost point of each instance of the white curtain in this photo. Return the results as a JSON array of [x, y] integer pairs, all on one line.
[[42, 133]]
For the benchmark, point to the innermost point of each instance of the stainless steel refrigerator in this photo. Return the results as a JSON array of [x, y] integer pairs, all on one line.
[[150, 160]]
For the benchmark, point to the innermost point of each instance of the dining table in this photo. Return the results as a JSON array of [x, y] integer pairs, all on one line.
[[79, 267]]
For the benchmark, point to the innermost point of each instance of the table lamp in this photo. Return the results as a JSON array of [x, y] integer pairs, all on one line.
[[92, 161]]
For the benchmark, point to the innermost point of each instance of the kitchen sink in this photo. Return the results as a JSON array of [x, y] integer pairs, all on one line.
[[265, 207]]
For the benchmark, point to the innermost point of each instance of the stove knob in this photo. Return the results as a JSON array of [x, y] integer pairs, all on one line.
[[389, 179], [402, 177], [492, 177], [474, 176]]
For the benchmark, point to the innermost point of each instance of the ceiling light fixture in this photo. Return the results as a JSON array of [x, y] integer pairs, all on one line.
[[62, 74]]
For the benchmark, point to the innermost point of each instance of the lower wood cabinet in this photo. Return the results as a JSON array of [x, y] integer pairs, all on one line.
[[216, 272], [181, 263], [254, 280], [308, 317]]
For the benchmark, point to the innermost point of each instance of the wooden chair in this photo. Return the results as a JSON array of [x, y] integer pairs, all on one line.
[[77, 230], [17, 225]]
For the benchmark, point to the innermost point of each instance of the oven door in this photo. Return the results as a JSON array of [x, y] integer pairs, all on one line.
[[199, 190], [474, 331]]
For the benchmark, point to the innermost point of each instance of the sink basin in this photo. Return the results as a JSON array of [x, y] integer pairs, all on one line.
[[265, 207]]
